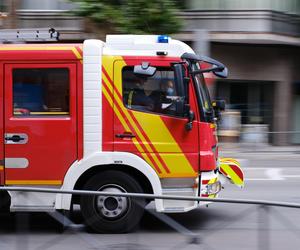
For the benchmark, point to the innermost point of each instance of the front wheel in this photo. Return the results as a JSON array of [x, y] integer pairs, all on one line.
[[112, 214]]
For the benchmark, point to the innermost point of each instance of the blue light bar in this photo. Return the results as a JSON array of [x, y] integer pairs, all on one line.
[[162, 39]]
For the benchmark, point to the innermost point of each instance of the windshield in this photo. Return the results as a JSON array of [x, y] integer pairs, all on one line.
[[204, 96]]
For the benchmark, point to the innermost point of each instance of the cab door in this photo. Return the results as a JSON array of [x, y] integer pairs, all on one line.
[[159, 136], [40, 134]]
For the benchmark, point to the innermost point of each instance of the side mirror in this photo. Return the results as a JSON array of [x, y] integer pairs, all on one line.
[[180, 107], [219, 105], [145, 69], [221, 74], [191, 118]]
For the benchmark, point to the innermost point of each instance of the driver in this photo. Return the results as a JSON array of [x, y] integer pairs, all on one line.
[[143, 97]]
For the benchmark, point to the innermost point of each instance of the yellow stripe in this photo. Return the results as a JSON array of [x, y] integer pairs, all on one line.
[[132, 123], [139, 133], [124, 124], [33, 182], [213, 180], [176, 161], [173, 174], [1, 168], [229, 160], [77, 54], [126, 127], [37, 48], [234, 177], [44, 48]]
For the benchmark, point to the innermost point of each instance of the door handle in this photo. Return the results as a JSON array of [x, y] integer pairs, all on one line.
[[125, 135], [16, 138]]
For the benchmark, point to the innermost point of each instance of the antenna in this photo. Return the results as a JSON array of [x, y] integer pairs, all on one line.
[[28, 35]]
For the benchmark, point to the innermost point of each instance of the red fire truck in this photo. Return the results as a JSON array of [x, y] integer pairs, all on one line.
[[131, 114]]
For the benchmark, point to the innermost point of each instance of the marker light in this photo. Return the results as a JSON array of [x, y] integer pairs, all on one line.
[[163, 39]]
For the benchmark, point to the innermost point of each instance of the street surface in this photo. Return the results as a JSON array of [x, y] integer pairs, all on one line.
[[273, 176]]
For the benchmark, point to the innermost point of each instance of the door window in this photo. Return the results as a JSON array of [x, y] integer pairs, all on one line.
[[40, 92], [157, 93]]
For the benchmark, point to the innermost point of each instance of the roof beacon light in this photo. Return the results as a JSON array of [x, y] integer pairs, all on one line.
[[162, 39]]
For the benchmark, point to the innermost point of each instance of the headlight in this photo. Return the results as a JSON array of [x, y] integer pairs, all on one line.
[[213, 188]]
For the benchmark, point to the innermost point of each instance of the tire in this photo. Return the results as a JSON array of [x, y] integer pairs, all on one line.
[[112, 214]]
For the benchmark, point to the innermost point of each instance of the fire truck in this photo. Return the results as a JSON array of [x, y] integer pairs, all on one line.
[[128, 115]]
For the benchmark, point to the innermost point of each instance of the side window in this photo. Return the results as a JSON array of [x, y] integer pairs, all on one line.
[[40, 92], [157, 93]]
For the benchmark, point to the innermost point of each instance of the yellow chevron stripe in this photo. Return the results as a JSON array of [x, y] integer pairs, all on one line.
[[123, 122], [233, 176], [34, 182], [213, 180], [176, 161], [229, 160], [132, 123], [77, 54], [1, 168]]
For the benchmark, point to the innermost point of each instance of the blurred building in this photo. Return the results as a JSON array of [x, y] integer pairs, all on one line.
[[259, 41], [42, 14]]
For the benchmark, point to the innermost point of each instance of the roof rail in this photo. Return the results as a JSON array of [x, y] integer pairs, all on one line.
[[28, 35]]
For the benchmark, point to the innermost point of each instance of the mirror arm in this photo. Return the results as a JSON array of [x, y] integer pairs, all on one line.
[[213, 69]]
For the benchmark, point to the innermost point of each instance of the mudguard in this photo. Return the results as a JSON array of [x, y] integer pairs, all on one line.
[[231, 169]]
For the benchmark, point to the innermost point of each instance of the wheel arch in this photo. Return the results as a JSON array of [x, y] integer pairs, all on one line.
[[136, 174], [130, 163]]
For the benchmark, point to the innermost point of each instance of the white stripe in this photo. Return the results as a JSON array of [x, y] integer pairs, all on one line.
[[16, 162], [274, 174]]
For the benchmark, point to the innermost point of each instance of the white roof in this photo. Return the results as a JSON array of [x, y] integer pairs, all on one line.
[[143, 45]]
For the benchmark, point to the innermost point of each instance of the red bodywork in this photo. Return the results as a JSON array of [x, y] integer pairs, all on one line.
[[54, 143]]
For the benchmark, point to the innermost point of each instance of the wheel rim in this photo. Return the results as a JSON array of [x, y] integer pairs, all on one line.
[[112, 207]]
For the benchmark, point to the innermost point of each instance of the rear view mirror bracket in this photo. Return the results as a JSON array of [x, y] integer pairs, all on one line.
[[144, 69]]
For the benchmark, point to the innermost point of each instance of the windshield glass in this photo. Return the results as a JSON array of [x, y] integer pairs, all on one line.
[[204, 94]]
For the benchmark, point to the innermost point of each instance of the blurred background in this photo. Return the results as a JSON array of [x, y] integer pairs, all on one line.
[[258, 40]]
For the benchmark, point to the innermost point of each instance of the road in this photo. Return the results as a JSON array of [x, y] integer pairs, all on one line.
[[270, 176]]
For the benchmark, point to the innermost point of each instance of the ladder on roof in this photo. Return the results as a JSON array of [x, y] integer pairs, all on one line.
[[28, 35]]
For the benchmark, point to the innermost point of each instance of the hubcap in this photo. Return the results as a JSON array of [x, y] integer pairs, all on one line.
[[112, 206]]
